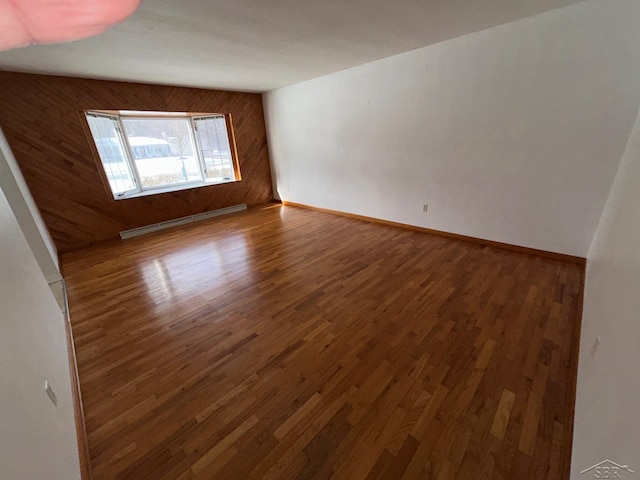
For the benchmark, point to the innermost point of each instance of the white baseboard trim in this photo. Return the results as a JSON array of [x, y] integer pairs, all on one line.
[[134, 232]]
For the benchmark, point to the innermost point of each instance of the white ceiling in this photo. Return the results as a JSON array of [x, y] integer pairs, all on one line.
[[261, 45]]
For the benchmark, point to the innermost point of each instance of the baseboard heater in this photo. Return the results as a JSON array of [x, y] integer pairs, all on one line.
[[134, 232]]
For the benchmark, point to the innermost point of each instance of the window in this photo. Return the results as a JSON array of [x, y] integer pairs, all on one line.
[[143, 153]]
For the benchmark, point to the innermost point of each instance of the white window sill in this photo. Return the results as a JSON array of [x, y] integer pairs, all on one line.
[[174, 188]]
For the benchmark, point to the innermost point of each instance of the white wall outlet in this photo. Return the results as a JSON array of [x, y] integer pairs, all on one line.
[[50, 393], [425, 207]]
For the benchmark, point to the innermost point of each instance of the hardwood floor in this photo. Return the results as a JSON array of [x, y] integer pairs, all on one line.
[[284, 343]]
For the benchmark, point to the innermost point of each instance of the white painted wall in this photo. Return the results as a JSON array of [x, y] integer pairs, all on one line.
[[37, 439], [511, 134], [25, 210], [607, 425]]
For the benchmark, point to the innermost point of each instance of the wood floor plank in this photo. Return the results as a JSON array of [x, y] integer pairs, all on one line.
[[501, 419], [285, 343]]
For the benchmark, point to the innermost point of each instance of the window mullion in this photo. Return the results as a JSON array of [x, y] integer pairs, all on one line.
[[129, 153], [196, 143]]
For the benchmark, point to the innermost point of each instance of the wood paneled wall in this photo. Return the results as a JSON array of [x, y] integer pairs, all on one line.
[[42, 119]]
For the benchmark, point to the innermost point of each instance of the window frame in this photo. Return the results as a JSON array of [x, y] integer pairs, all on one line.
[[130, 159], [230, 139]]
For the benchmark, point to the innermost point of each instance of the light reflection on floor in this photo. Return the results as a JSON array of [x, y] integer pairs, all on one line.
[[210, 268]]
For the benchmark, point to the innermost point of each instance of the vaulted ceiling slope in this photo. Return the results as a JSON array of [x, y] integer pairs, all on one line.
[[259, 46]]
